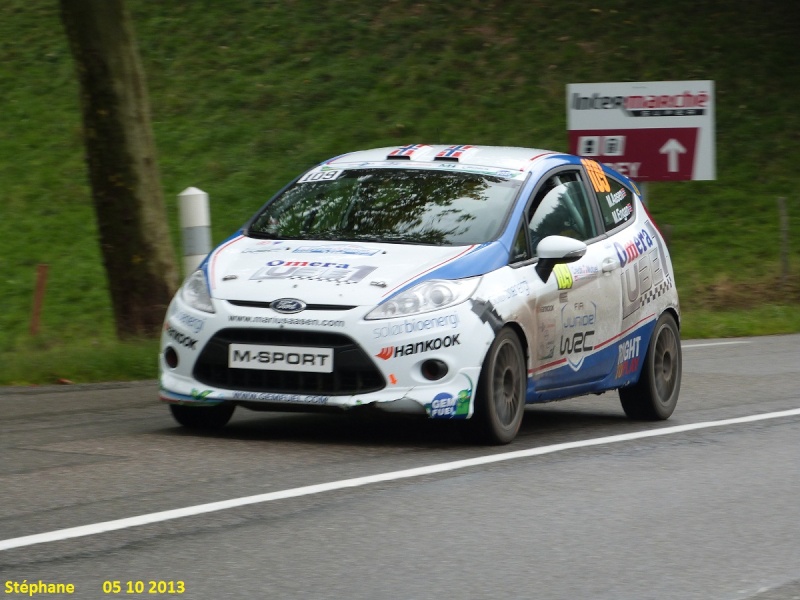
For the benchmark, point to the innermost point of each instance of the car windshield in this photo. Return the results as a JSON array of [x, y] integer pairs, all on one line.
[[415, 206]]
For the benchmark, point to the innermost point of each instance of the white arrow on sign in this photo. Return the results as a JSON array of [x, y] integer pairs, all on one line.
[[672, 149]]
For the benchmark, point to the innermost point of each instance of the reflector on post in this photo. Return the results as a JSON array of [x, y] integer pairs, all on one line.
[[195, 221]]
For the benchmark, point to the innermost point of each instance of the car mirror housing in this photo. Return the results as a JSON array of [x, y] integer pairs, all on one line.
[[557, 249]]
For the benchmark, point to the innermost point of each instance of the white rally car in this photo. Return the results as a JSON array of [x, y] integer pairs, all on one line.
[[453, 282]]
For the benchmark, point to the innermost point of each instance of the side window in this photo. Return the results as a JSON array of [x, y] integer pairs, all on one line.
[[616, 205], [561, 207], [615, 200]]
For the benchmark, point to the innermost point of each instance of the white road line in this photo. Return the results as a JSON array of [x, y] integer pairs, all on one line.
[[709, 344], [167, 515]]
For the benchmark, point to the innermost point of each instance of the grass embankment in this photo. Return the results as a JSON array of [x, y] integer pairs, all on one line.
[[246, 94]]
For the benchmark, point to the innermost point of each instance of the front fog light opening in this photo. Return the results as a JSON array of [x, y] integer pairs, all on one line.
[[433, 369], [170, 357]]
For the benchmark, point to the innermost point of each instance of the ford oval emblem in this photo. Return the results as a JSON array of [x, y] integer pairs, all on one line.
[[287, 305]]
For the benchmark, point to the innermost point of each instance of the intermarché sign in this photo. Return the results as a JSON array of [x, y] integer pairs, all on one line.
[[661, 130]]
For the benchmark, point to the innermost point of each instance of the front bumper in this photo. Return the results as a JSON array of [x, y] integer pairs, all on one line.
[[378, 363]]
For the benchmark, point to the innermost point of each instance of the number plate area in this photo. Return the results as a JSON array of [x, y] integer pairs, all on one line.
[[280, 358]]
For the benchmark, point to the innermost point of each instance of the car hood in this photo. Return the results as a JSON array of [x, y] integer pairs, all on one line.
[[323, 272]]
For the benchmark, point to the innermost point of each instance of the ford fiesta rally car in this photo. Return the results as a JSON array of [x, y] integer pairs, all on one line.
[[453, 282]]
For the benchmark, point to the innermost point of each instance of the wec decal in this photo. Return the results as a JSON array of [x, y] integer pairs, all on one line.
[[577, 334]]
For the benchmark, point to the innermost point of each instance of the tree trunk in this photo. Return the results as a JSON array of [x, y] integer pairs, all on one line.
[[120, 151]]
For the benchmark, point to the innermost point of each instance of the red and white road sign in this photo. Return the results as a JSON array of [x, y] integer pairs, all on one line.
[[657, 131]]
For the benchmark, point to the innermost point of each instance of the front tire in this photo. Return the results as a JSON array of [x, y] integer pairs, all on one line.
[[204, 418], [655, 395], [500, 399]]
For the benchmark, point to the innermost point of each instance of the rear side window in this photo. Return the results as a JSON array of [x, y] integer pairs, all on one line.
[[561, 207], [616, 205], [616, 201]]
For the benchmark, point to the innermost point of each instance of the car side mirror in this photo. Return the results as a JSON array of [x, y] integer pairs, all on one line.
[[557, 249]]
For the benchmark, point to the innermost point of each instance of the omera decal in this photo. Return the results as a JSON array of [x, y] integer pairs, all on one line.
[[316, 270], [644, 275]]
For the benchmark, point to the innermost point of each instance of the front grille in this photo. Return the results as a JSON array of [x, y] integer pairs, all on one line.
[[354, 372], [260, 304]]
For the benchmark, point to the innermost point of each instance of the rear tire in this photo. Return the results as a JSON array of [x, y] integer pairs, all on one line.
[[205, 418], [500, 399], [655, 395]]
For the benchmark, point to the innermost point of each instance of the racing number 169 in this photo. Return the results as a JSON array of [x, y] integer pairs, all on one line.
[[327, 175], [596, 174]]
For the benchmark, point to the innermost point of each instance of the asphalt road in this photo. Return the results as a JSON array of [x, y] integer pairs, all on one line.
[[584, 504]]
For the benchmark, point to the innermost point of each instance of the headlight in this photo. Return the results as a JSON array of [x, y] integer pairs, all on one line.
[[425, 297], [195, 292]]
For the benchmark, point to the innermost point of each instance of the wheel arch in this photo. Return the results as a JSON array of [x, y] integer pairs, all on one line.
[[523, 339], [675, 315]]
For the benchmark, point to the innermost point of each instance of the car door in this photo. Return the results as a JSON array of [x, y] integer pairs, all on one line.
[[638, 266], [578, 307]]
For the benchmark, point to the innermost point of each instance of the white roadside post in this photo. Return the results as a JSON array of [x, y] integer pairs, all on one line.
[[195, 221]]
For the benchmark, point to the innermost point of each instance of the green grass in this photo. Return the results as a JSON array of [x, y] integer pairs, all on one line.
[[246, 93], [768, 319], [80, 361]]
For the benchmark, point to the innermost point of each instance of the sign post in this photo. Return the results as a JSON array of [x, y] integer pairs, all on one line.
[[649, 131]]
